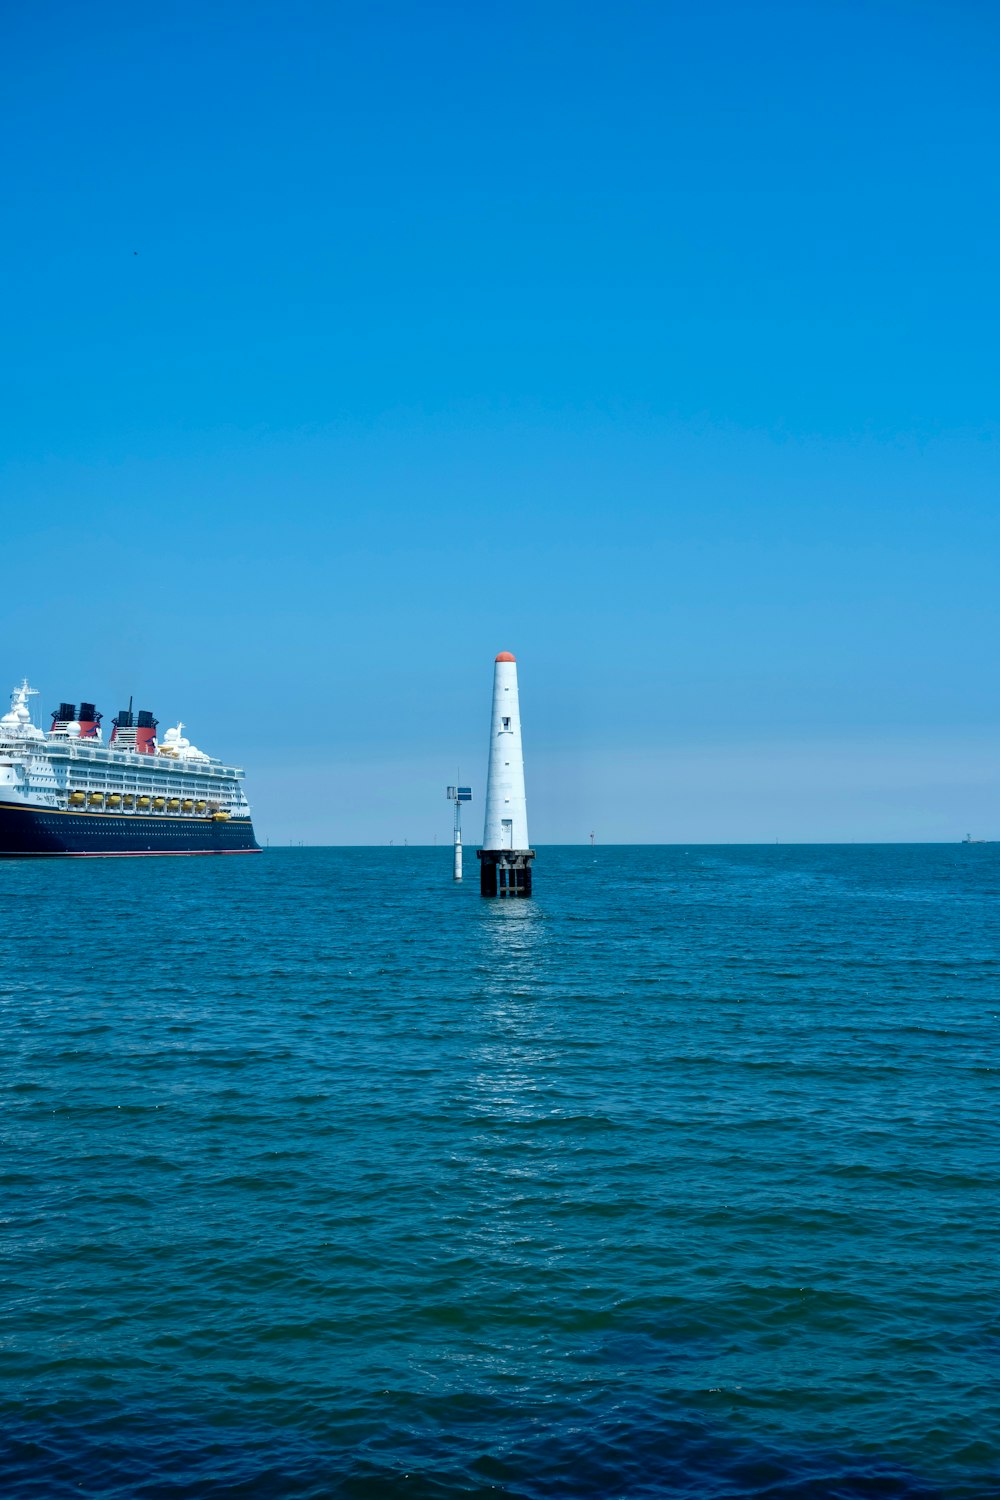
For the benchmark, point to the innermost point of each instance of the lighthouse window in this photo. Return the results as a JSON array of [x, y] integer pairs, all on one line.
[[506, 723]]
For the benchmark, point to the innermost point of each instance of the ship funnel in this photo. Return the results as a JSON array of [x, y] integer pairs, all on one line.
[[145, 732], [63, 715], [134, 731], [90, 722], [123, 728]]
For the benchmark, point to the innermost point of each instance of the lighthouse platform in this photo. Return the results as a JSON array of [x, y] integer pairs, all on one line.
[[505, 872]]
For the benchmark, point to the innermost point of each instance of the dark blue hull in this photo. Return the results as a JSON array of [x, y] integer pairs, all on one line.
[[34, 830]]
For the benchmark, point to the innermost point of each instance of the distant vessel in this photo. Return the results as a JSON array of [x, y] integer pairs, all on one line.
[[67, 792], [970, 840]]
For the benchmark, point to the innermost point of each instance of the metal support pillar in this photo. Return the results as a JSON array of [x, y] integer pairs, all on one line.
[[505, 872]]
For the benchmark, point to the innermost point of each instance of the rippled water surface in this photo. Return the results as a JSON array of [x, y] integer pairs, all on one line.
[[321, 1176]]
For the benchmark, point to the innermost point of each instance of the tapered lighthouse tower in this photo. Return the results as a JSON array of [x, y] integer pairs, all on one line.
[[505, 858]]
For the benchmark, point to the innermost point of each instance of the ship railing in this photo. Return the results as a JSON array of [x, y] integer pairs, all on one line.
[[133, 759], [137, 759]]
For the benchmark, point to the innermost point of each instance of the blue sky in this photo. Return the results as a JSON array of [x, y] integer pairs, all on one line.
[[655, 343]]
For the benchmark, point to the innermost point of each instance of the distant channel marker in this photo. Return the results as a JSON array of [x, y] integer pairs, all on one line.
[[505, 858]]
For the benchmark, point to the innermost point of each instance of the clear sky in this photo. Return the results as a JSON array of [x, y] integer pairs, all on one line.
[[346, 345]]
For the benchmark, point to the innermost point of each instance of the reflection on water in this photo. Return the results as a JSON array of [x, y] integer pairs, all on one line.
[[511, 937], [523, 1117], [511, 940]]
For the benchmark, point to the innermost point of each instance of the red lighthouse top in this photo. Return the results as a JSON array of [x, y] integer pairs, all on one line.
[[506, 656]]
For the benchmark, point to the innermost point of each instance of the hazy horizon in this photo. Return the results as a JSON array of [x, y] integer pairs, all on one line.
[[652, 844]]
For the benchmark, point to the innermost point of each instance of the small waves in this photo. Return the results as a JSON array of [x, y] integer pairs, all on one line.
[[392, 1446], [677, 1182]]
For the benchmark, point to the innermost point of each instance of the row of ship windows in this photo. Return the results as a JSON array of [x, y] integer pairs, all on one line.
[[115, 788], [167, 762], [109, 823], [130, 773], [160, 775], [101, 776], [147, 783]]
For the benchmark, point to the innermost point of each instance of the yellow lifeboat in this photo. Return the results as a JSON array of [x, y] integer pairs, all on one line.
[[159, 803], [187, 805], [114, 800], [128, 800], [220, 817], [174, 804], [76, 799], [95, 799], [200, 807], [143, 802]]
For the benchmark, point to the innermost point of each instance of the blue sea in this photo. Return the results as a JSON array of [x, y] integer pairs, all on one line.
[[322, 1176]]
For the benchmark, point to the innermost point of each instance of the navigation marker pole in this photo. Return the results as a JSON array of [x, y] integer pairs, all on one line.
[[458, 795]]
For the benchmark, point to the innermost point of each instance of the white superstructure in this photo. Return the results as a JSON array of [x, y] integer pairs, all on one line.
[[62, 770], [506, 820]]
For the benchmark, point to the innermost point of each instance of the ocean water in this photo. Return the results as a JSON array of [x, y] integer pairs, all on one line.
[[323, 1177]]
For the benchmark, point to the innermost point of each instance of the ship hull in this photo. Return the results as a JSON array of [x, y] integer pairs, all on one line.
[[26, 831]]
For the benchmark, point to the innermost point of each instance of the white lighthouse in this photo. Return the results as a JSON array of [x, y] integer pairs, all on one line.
[[505, 858]]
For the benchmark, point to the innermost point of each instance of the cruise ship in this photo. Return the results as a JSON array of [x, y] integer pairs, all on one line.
[[67, 791]]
